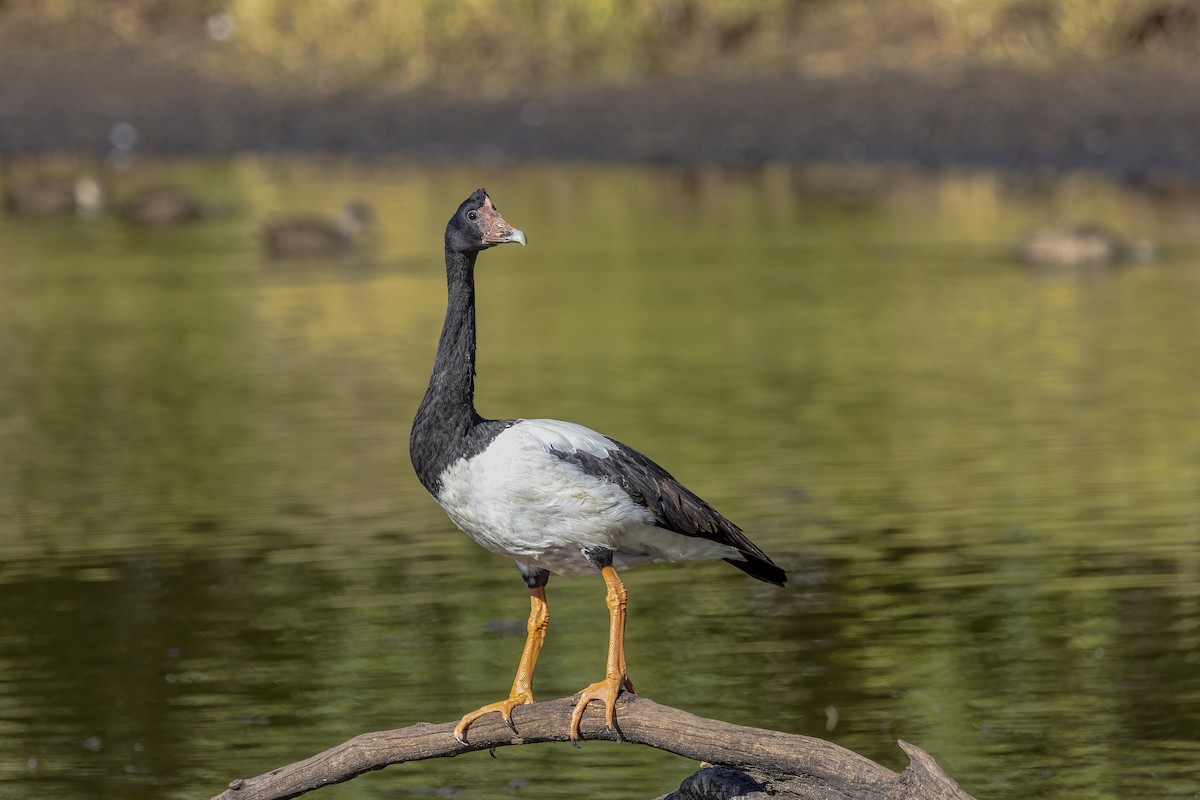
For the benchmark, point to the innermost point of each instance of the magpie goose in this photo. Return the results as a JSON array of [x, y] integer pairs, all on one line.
[[162, 206], [321, 237], [554, 496]]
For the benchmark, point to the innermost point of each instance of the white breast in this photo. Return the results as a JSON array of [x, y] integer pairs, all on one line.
[[519, 499]]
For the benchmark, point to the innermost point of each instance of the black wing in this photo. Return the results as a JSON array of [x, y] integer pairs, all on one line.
[[673, 506]]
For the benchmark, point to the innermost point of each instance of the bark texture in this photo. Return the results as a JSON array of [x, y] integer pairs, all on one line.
[[741, 762]]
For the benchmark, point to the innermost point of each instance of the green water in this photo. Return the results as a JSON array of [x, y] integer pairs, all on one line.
[[984, 482]]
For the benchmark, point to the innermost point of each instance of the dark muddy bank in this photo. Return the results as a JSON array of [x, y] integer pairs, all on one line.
[[1132, 121]]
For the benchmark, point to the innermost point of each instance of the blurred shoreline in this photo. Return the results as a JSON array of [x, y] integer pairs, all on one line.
[[1135, 121]]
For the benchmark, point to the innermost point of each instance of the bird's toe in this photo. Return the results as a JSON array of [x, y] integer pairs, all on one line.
[[606, 691], [504, 707]]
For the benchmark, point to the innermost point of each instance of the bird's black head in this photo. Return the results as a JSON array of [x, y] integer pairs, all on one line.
[[477, 225]]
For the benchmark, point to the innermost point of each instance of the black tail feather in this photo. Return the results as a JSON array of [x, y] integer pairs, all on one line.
[[762, 568]]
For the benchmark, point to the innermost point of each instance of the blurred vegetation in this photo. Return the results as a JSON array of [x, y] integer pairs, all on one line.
[[493, 45]]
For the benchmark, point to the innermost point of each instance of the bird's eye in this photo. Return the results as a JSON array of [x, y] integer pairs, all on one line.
[[471, 215]]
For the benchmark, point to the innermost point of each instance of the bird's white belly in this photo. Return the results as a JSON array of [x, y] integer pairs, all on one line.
[[518, 499]]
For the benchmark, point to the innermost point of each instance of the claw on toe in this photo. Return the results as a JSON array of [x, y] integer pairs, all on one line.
[[505, 707], [606, 691]]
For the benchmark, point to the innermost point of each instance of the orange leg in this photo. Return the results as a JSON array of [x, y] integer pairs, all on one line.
[[615, 676], [522, 688]]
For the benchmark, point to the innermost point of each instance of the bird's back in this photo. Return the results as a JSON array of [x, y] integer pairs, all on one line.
[[545, 492]]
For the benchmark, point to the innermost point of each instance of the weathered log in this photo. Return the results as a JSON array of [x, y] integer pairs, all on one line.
[[752, 762]]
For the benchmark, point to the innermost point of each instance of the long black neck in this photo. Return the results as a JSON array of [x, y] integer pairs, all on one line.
[[452, 384], [447, 413]]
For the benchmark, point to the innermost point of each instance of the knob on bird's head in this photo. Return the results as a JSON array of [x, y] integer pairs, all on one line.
[[478, 225]]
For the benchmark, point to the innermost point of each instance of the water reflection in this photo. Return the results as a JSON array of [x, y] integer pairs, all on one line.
[[982, 481]]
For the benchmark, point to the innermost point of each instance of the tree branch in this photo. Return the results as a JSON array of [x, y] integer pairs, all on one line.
[[779, 764]]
